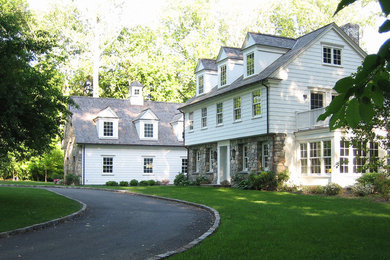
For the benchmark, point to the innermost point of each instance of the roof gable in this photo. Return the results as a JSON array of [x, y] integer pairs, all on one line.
[[229, 53], [106, 113], [146, 115], [206, 64], [267, 40]]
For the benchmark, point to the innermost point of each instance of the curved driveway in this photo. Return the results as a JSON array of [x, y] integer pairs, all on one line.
[[114, 226]]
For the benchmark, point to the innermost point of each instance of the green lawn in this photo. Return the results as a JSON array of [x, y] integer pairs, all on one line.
[[20, 207], [276, 225], [50, 183]]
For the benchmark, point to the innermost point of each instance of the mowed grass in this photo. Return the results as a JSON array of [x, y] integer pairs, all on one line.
[[20, 207], [276, 225], [40, 183]]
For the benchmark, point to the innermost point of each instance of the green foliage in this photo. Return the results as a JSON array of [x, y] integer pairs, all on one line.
[[368, 178], [151, 182], [265, 180], [240, 181], [72, 179], [202, 180], [133, 182], [143, 183], [362, 189], [32, 104], [382, 185], [316, 189], [112, 183], [181, 180], [124, 183], [332, 189]]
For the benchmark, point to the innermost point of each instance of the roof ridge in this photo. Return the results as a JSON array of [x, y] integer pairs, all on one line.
[[316, 30], [274, 36]]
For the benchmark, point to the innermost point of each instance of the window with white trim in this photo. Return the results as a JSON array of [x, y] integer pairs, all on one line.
[[209, 160], [108, 128], [256, 103], [191, 121], [148, 165], [222, 76], [250, 64], [316, 100], [355, 158], [197, 161], [204, 117], [184, 165], [344, 156], [265, 156], [331, 55], [245, 157], [219, 113], [316, 157], [136, 92], [200, 84], [108, 165], [237, 109], [148, 130]]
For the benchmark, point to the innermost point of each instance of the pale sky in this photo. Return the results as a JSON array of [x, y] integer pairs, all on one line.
[[147, 12]]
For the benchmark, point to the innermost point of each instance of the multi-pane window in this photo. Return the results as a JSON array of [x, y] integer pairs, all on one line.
[[148, 165], [373, 153], [223, 75], [148, 130], [245, 158], [204, 117], [265, 156], [197, 161], [316, 157], [344, 156], [303, 158], [219, 113], [200, 84], [191, 121], [108, 129], [359, 159], [209, 160], [136, 92], [237, 108], [256, 103], [331, 55], [184, 165], [316, 100], [250, 64], [108, 164]]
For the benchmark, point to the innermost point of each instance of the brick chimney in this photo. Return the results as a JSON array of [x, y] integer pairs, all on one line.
[[352, 30]]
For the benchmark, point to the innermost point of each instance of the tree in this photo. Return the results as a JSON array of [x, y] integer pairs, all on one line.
[[363, 102], [31, 102]]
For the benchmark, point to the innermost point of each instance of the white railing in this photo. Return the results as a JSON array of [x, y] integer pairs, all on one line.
[[308, 119]]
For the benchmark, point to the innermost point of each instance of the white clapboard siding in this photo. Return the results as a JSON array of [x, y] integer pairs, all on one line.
[[248, 126], [129, 160], [305, 72]]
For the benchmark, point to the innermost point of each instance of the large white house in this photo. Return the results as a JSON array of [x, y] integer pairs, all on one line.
[[256, 108], [110, 139]]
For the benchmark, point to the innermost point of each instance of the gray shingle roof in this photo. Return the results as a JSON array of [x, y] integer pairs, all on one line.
[[299, 45], [272, 40], [209, 64], [88, 108], [233, 53], [136, 84]]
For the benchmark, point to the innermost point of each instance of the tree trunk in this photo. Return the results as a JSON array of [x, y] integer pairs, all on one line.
[[45, 175]]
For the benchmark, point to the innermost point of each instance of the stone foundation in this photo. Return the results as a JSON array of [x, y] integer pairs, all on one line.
[[275, 161]]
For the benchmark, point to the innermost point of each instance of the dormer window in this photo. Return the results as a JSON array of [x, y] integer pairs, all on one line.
[[108, 128], [331, 55], [136, 92], [148, 130], [250, 64], [222, 77], [200, 84]]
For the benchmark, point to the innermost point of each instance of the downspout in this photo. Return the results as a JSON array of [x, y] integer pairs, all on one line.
[[184, 140], [83, 169], [267, 97]]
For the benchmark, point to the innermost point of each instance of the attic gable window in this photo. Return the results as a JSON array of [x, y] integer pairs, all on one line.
[[222, 75], [148, 130], [331, 55], [200, 84], [250, 64], [108, 129]]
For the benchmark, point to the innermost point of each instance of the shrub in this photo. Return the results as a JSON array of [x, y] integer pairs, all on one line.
[[316, 189], [288, 188], [225, 183], [201, 180], [181, 180], [240, 181], [72, 179], [332, 189], [143, 183], [382, 185], [360, 189], [151, 182], [133, 182], [112, 183], [124, 183], [368, 178]]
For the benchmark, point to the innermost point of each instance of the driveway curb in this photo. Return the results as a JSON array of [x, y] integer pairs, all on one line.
[[49, 223], [210, 231]]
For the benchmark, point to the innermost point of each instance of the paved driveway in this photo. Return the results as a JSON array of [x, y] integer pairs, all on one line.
[[115, 226]]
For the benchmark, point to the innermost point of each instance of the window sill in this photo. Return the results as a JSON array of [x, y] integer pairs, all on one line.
[[209, 173], [190, 131], [332, 65], [108, 137], [237, 121], [148, 174], [219, 125], [250, 76], [256, 117], [204, 128], [107, 174]]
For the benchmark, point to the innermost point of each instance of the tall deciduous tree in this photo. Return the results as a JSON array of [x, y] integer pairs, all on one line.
[[31, 102]]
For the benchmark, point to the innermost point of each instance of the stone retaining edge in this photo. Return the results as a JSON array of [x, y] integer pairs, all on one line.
[[212, 229], [46, 224]]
